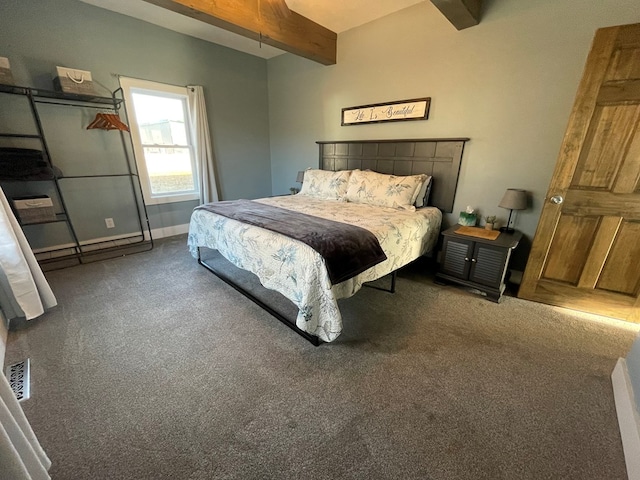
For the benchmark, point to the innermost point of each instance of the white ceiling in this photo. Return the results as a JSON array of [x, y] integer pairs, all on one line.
[[336, 15], [342, 15]]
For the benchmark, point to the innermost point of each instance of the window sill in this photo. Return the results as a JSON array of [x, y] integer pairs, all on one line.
[[171, 199]]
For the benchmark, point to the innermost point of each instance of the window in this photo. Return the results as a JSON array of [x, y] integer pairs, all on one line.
[[159, 121]]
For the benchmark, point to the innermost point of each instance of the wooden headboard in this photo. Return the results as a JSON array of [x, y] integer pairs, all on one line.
[[438, 157]]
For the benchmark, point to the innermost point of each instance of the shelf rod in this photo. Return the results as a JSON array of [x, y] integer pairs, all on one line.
[[60, 217], [100, 175], [18, 135], [105, 106]]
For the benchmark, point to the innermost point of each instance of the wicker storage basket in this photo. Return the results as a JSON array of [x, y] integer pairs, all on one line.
[[34, 209], [6, 77], [72, 80]]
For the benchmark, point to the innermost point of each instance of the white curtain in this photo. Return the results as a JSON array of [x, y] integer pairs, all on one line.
[[21, 456], [202, 143], [24, 291]]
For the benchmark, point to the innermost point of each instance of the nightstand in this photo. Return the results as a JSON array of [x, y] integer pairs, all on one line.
[[477, 262]]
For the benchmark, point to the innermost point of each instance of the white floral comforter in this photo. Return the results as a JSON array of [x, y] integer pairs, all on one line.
[[297, 271]]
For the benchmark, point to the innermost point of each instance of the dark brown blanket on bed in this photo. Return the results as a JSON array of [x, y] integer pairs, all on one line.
[[347, 249]]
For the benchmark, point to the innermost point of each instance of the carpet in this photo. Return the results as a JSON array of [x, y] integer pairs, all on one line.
[[153, 368]]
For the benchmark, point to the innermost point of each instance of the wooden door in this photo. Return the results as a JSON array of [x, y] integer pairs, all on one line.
[[586, 251]]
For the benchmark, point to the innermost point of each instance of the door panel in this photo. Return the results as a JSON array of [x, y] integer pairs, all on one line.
[[606, 146], [566, 265], [625, 64], [586, 250], [628, 180], [605, 236], [621, 272]]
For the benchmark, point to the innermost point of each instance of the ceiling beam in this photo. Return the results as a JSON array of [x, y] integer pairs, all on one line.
[[267, 21], [461, 13]]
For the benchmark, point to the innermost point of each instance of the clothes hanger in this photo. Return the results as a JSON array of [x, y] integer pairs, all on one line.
[[116, 122], [108, 121], [98, 122]]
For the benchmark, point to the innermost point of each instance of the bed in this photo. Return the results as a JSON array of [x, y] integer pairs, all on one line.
[[336, 193]]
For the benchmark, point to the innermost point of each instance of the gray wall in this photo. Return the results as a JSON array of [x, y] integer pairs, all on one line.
[[508, 84], [37, 35]]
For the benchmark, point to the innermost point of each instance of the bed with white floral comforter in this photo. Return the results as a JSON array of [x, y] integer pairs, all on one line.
[[297, 271]]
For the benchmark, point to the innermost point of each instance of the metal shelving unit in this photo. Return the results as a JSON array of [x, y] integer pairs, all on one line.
[[79, 252]]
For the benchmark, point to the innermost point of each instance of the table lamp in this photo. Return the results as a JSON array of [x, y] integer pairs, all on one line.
[[514, 199]]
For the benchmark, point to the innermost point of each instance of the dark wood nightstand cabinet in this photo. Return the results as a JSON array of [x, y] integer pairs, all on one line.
[[477, 262]]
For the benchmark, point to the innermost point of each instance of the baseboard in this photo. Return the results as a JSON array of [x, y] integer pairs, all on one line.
[[119, 239], [170, 231], [628, 419], [93, 241]]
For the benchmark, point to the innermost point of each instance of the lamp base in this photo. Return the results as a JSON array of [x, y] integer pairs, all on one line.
[[507, 230]]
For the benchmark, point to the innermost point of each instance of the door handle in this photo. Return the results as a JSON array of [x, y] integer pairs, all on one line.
[[557, 199]]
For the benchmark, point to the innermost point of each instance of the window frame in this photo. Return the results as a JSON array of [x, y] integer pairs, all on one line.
[[134, 85]]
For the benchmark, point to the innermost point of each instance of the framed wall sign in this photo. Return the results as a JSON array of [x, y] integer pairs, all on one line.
[[414, 109]]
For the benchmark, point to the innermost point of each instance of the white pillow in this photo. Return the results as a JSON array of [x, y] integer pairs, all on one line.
[[325, 184], [383, 190], [422, 192]]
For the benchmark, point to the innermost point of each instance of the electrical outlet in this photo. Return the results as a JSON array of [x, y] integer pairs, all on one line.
[[109, 223]]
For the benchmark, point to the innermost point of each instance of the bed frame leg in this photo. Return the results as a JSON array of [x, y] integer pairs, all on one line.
[[313, 339], [391, 289]]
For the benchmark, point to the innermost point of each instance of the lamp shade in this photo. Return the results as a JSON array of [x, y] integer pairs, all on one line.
[[300, 177], [514, 199]]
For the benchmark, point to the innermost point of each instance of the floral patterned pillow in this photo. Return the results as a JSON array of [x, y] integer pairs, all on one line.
[[384, 190], [325, 184]]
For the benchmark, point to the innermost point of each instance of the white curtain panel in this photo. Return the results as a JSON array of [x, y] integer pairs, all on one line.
[[21, 456], [24, 291], [202, 143]]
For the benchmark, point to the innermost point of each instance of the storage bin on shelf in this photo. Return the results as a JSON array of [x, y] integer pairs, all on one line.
[[34, 209]]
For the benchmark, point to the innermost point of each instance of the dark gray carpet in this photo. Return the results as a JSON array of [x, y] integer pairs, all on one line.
[[153, 368]]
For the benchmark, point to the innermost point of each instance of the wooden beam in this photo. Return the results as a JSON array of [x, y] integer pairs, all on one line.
[[461, 13], [267, 21]]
